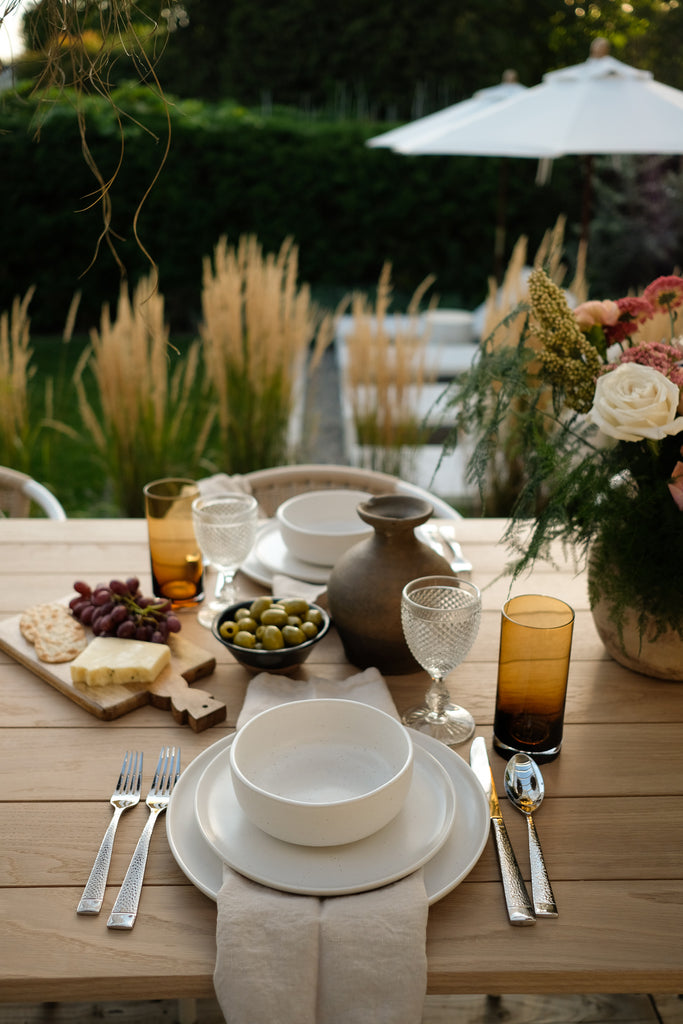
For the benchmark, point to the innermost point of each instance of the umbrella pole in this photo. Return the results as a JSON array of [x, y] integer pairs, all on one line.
[[587, 197], [499, 240]]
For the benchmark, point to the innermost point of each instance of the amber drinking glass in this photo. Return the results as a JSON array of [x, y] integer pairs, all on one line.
[[533, 666], [177, 571]]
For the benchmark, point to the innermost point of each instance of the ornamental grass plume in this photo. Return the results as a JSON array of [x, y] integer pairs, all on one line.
[[16, 373], [257, 326], [505, 309], [149, 419], [384, 376], [27, 419]]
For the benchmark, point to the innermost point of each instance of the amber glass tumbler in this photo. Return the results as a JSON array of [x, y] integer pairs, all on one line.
[[533, 666], [177, 571]]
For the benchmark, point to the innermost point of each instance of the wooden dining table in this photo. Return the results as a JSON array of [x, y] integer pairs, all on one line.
[[611, 824]]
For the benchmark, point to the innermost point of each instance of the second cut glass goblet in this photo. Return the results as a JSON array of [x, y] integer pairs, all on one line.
[[225, 526], [440, 616]]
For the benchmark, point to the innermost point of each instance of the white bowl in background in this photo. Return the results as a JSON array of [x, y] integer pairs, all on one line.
[[321, 772], [319, 526]]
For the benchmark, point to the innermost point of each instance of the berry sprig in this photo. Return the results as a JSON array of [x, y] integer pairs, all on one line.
[[120, 609]]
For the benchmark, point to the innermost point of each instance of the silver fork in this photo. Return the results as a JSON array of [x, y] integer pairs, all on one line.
[[125, 908], [458, 563], [126, 794]]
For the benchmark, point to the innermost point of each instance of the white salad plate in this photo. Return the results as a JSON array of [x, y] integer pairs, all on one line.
[[270, 555], [405, 844], [443, 870]]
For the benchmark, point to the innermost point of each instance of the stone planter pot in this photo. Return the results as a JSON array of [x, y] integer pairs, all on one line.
[[661, 658]]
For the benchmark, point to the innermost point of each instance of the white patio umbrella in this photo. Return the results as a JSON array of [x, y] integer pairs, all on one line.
[[410, 138], [599, 107]]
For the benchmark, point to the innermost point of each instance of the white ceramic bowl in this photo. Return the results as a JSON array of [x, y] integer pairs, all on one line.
[[321, 772], [319, 526]]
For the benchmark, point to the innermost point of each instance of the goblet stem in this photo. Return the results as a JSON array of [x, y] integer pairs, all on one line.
[[439, 717], [224, 595], [225, 587], [437, 698]]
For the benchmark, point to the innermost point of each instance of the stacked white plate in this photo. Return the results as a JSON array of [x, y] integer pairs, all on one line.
[[270, 555], [442, 827]]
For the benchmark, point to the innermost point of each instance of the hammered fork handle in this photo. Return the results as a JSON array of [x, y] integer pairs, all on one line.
[[95, 887], [125, 908]]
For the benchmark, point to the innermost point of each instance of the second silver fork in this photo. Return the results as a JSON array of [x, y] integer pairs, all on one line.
[[125, 908], [126, 795]]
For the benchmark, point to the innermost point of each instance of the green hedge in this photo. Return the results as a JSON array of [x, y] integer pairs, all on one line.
[[229, 171]]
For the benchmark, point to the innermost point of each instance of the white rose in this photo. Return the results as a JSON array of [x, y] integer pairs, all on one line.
[[633, 402]]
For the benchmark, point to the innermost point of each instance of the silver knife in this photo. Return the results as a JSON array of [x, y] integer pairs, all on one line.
[[517, 899]]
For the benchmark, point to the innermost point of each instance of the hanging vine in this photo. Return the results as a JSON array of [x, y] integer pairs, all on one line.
[[82, 48]]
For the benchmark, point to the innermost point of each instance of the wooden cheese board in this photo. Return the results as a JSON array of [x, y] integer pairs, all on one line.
[[170, 690]]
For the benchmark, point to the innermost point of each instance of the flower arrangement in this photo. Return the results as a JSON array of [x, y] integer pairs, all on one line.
[[590, 400]]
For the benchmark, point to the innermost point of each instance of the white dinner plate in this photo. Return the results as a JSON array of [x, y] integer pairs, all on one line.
[[446, 869], [405, 844], [270, 555]]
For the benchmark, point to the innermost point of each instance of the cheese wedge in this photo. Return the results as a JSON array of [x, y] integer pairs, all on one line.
[[111, 660]]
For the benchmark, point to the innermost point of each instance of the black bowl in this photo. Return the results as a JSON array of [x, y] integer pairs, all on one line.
[[268, 661]]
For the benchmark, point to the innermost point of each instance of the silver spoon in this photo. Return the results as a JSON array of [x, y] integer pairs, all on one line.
[[525, 790]]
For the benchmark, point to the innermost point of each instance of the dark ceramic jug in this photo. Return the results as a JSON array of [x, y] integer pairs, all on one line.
[[364, 588]]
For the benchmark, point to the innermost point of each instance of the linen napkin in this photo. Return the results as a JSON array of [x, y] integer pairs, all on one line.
[[287, 959], [221, 483], [286, 586]]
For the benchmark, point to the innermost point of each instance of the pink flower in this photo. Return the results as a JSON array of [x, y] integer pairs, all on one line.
[[665, 292], [590, 314], [658, 355], [675, 485], [632, 313]]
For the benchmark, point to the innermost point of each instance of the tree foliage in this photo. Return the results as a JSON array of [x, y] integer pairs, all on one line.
[[397, 60]]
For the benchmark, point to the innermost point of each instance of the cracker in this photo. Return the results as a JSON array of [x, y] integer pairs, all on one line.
[[31, 619], [54, 632]]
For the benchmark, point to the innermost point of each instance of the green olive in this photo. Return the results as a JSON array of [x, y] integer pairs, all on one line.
[[258, 606], [294, 605], [292, 635], [245, 639], [228, 630], [270, 626], [274, 617], [272, 638]]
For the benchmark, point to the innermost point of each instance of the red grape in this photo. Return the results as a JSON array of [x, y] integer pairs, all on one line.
[[120, 609]]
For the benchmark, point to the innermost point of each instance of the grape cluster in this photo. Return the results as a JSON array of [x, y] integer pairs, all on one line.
[[119, 609]]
